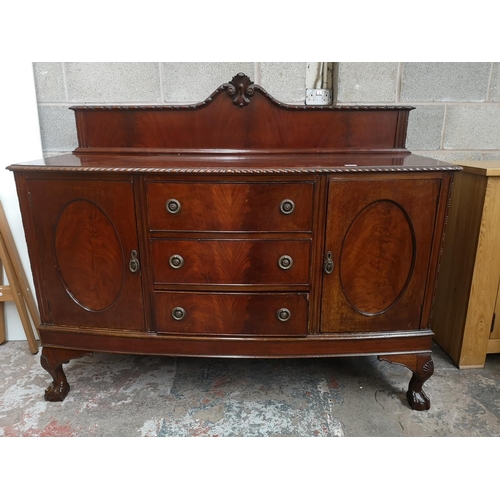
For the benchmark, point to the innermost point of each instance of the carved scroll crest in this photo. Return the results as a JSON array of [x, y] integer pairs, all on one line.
[[240, 88]]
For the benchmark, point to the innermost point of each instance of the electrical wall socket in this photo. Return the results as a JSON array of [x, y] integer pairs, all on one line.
[[319, 97]]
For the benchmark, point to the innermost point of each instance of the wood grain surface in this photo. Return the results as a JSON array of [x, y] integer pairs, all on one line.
[[232, 261], [85, 233], [232, 313], [261, 124], [252, 206], [377, 257], [470, 274], [89, 255], [385, 228], [484, 286]]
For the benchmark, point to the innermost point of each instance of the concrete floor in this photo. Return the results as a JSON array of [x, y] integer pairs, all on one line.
[[122, 395]]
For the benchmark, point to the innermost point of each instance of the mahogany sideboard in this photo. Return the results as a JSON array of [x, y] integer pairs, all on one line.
[[240, 227]]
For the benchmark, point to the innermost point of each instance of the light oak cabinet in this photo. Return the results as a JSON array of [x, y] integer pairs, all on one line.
[[466, 318]]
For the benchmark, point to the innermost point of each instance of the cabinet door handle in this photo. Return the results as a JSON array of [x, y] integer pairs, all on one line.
[[176, 261], [285, 262], [134, 265], [173, 206], [283, 314], [328, 265]]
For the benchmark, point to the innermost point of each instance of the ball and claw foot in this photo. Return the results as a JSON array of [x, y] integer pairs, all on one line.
[[418, 400], [56, 392], [422, 367], [52, 360]]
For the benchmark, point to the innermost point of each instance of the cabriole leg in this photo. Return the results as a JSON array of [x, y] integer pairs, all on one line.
[[52, 360], [422, 367]]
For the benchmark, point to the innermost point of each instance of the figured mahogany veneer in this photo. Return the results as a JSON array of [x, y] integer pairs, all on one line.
[[239, 226], [261, 124], [382, 245], [239, 261], [233, 313], [223, 206]]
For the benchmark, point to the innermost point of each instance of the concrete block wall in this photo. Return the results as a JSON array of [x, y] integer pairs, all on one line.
[[457, 113]]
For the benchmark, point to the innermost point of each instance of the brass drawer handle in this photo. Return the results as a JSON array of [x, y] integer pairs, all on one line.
[[134, 265], [176, 261], [283, 314], [173, 205], [287, 207], [285, 262], [178, 313], [328, 265]]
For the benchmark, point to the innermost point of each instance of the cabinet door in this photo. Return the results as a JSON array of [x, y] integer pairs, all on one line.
[[86, 232], [379, 233]]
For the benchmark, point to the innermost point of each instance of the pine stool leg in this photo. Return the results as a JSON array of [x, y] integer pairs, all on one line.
[[2, 314], [18, 289], [15, 260], [18, 297]]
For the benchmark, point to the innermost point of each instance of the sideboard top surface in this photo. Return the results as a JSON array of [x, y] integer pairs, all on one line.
[[236, 164]]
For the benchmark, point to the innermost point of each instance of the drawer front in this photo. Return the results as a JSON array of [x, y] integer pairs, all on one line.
[[232, 313], [231, 262], [254, 206]]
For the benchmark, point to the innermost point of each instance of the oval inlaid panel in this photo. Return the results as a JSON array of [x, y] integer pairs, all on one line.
[[89, 255], [377, 257]]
